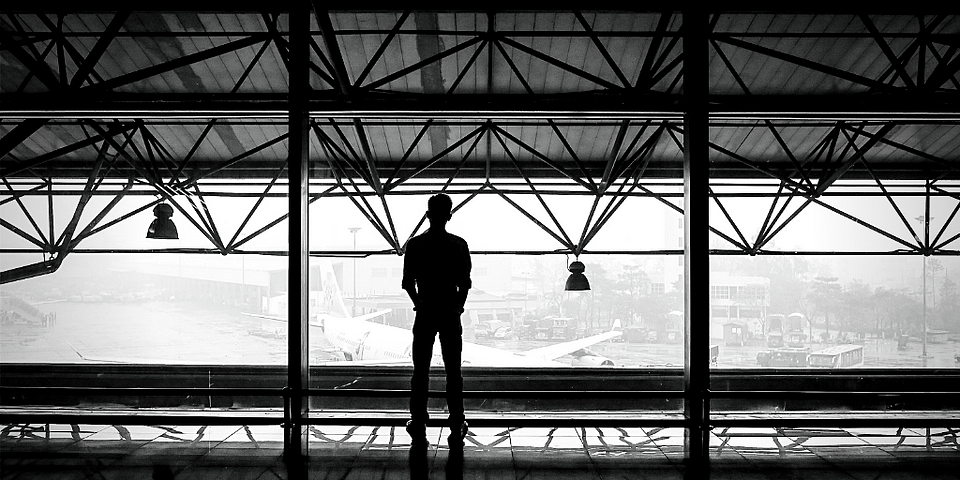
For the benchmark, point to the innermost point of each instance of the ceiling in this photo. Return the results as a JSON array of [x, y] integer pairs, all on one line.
[[395, 95]]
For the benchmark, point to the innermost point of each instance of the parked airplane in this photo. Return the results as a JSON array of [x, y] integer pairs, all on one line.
[[360, 341]]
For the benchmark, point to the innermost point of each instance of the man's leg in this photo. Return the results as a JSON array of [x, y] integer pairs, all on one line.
[[422, 353], [451, 346]]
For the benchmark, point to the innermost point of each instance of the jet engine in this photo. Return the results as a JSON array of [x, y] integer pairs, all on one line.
[[587, 358]]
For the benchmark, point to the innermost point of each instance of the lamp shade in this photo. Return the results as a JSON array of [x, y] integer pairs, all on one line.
[[577, 281], [162, 227]]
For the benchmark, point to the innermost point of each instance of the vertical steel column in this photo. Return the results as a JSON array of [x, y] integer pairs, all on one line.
[[298, 284], [696, 255]]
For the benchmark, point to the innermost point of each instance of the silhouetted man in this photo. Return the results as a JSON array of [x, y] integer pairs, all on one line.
[[436, 275]]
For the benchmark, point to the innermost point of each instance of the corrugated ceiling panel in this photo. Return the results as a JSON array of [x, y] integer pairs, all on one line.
[[270, 73], [174, 138], [475, 79]]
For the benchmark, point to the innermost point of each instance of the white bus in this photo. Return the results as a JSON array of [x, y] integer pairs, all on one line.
[[838, 356]]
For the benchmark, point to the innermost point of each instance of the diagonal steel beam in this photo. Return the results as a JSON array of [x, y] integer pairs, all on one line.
[[614, 153], [34, 162], [276, 221], [573, 154], [660, 71], [813, 199], [65, 243], [233, 161], [484, 45], [26, 213], [477, 132], [918, 44], [565, 242], [231, 244], [513, 66], [323, 59], [858, 154], [61, 56], [756, 166], [75, 54], [502, 38], [42, 244], [887, 194], [945, 71], [613, 205], [243, 77], [653, 50], [407, 153], [99, 49], [203, 213], [42, 57], [21, 132], [368, 156], [833, 71], [366, 209], [543, 158], [14, 196], [144, 73], [533, 189], [770, 220], [603, 50], [333, 47], [885, 48], [382, 48], [641, 151], [33, 62], [730, 220], [417, 66], [92, 224], [329, 144]]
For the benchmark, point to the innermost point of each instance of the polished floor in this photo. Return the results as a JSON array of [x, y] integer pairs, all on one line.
[[52, 451]]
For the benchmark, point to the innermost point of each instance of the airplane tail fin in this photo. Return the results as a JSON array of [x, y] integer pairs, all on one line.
[[331, 298], [617, 326]]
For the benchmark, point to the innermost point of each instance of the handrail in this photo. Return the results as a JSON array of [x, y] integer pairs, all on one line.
[[805, 394], [530, 394], [146, 391]]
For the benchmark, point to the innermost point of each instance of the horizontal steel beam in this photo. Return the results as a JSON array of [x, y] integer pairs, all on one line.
[[905, 107]]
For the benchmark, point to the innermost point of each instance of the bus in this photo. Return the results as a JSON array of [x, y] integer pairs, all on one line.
[[784, 357], [839, 356]]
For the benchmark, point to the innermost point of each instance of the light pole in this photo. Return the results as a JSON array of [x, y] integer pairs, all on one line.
[[354, 230], [923, 223]]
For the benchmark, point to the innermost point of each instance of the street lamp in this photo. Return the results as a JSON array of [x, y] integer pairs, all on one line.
[[354, 230], [923, 223]]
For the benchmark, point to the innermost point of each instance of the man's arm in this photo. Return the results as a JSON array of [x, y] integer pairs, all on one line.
[[409, 283], [464, 283]]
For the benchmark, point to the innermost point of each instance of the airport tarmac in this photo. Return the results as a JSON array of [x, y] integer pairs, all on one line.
[[190, 332]]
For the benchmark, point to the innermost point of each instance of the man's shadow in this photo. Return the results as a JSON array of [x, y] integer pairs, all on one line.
[[420, 464], [454, 467]]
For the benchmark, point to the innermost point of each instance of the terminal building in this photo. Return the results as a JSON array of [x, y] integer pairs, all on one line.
[[708, 241]]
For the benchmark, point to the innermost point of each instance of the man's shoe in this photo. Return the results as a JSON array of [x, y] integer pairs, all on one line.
[[417, 432], [455, 439]]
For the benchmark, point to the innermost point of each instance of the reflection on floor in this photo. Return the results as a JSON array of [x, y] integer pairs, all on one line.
[[361, 452]]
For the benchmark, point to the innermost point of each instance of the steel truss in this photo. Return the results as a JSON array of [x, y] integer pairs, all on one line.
[[839, 165]]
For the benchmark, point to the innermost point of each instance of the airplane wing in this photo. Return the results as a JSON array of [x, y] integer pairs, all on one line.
[[557, 350], [277, 318], [127, 360], [374, 362], [371, 315]]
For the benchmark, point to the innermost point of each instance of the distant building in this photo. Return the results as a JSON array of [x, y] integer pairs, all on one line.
[[740, 300]]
